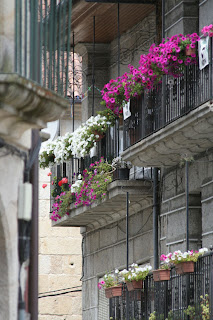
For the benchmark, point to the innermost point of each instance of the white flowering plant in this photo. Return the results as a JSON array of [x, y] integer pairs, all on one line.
[[78, 143], [118, 163], [135, 272], [112, 279], [178, 256]]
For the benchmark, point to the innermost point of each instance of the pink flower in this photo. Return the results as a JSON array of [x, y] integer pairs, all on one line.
[[44, 185], [49, 174]]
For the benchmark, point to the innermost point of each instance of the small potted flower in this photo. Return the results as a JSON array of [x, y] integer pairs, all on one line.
[[121, 169], [111, 284], [134, 276], [184, 262], [163, 273]]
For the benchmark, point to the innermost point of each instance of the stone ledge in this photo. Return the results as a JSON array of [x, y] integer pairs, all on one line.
[[188, 135], [113, 207], [25, 104]]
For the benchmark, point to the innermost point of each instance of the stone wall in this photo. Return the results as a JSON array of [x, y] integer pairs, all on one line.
[[133, 44], [173, 206], [205, 13], [105, 249], [59, 263], [181, 17]]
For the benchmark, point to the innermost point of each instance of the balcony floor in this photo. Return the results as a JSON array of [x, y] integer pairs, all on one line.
[[185, 137], [113, 207]]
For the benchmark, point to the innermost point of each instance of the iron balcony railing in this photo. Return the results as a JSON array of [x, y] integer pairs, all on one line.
[[108, 148], [170, 100], [42, 42], [169, 299]]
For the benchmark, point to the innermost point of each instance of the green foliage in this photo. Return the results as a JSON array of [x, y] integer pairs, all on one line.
[[109, 114]]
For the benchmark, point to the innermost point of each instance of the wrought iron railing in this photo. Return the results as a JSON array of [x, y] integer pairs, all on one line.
[[168, 299], [170, 100], [42, 42]]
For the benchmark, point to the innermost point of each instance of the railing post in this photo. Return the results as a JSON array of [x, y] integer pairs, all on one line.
[[211, 69], [163, 102], [165, 299], [211, 287]]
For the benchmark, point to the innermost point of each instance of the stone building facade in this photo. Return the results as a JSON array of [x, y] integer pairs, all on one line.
[[187, 139]]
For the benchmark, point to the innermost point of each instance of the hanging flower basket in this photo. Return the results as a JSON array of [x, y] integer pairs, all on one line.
[[133, 285], [101, 135], [184, 267], [189, 51], [113, 292], [121, 174], [161, 275]]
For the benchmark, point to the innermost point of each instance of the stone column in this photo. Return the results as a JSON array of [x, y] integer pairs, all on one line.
[[7, 32], [181, 17], [101, 75]]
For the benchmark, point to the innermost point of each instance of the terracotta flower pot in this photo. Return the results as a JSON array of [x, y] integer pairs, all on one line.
[[184, 267], [190, 51], [161, 275], [132, 285], [113, 291], [101, 135]]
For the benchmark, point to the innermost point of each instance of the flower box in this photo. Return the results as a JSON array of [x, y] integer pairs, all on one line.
[[101, 135], [184, 267], [133, 285], [121, 174], [161, 275], [190, 51], [113, 292]]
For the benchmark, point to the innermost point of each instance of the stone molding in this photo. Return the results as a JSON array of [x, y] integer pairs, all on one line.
[[25, 104], [113, 207], [186, 136]]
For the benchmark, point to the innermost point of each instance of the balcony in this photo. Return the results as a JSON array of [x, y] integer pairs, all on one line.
[[172, 120], [169, 299], [42, 43], [113, 207]]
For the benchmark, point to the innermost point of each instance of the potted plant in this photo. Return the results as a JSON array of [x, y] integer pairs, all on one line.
[[184, 262], [121, 169], [111, 284], [163, 273], [134, 276]]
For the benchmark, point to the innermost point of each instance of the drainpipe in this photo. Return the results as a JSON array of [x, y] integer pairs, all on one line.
[[155, 216]]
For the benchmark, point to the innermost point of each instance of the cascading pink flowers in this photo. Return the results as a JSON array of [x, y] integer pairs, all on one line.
[[208, 30], [168, 57]]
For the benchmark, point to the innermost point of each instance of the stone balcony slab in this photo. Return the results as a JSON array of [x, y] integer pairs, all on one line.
[[187, 136], [113, 207], [25, 104]]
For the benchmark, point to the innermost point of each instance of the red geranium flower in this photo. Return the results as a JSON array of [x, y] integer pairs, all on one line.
[[44, 185], [60, 183], [64, 180]]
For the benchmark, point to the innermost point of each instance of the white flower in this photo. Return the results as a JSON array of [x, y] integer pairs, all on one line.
[[116, 271]]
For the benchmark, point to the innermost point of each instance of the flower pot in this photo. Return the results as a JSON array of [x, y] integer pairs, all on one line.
[[113, 291], [121, 174], [133, 285], [120, 120], [184, 267], [101, 135], [108, 293], [161, 275], [190, 51]]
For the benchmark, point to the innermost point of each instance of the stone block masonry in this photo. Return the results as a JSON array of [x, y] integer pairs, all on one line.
[[59, 263]]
